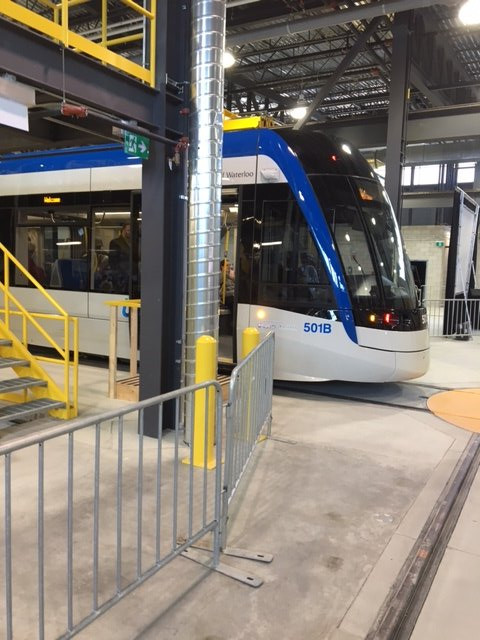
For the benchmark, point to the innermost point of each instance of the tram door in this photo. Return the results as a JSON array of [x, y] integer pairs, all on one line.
[[227, 290], [115, 241]]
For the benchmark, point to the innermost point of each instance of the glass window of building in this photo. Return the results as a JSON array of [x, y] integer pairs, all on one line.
[[426, 174], [465, 172], [407, 176]]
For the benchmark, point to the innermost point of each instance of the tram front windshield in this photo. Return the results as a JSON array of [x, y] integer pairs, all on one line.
[[368, 239]]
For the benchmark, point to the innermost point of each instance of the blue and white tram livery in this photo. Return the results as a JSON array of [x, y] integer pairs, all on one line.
[[317, 252]]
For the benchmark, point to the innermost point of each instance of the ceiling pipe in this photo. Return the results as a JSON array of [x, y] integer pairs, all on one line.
[[239, 3], [331, 19]]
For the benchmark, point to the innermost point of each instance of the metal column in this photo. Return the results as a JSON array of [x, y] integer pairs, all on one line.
[[176, 196], [163, 228], [152, 245], [398, 109]]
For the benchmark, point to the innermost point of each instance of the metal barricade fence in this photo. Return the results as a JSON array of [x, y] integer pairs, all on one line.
[[93, 509], [249, 412], [457, 317]]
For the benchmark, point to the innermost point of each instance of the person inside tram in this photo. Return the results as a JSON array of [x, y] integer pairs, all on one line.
[[119, 259], [307, 271], [36, 271], [101, 268], [307, 274]]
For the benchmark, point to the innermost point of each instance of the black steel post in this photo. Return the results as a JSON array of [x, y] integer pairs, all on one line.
[[162, 242], [178, 68], [152, 247], [398, 109]]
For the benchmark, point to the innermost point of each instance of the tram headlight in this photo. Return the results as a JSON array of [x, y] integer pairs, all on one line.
[[261, 314]]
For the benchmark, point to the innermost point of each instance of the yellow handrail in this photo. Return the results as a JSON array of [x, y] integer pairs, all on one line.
[[57, 29], [139, 9], [9, 256], [26, 314], [133, 303], [30, 319]]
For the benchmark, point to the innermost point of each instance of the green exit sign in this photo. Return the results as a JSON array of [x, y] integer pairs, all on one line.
[[439, 243], [135, 145]]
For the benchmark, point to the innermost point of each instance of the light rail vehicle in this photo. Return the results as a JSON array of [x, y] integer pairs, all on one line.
[[312, 243]]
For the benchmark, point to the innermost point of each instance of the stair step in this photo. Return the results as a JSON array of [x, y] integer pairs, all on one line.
[[5, 343], [17, 411], [13, 362], [17, 384]]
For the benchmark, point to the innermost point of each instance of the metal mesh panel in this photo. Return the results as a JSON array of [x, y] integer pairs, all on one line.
[[458, 317], [93, 509], [249, 412]]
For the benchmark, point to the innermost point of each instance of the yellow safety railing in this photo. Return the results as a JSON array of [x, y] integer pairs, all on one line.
[[57, 28], [68, 353], [232, 122]]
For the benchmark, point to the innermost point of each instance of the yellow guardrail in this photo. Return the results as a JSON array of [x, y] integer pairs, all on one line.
[[68, 353], [57, 28], [237, 123]]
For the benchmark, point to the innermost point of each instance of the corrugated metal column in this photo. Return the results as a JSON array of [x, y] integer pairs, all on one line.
[[206, 132], [398, 109]]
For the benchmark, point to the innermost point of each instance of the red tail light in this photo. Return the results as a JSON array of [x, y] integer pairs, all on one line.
[[390, 318]]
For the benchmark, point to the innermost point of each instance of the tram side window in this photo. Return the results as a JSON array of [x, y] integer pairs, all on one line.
[[292, 275], [53, 247]]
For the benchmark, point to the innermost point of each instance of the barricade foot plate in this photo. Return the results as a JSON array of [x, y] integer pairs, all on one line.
[[234, 552], [225, 569], [247, 554]]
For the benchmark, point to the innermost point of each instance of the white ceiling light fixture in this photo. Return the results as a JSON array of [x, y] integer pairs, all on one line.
[[300, 111], [469, 13], [228, 59], [297, 113]]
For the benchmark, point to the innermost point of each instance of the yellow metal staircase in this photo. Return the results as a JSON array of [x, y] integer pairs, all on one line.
[[34, 391]]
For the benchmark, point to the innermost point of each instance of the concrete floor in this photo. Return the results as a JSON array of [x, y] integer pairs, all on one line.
[[338, 495]]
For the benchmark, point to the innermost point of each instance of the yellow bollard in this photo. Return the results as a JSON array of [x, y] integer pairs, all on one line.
[[250, 339], [205, 369]]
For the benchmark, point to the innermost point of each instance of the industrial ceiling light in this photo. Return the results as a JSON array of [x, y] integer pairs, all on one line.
[[300, 110], [469, 13], [297, 113], [228, 59]]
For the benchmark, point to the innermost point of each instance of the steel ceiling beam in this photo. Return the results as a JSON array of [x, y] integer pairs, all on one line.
[[300, 59], [417, 78], [359, 45], [450, 123], [296, 82], [331, 19], [298, 44], [44, 65], [247, 85]]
